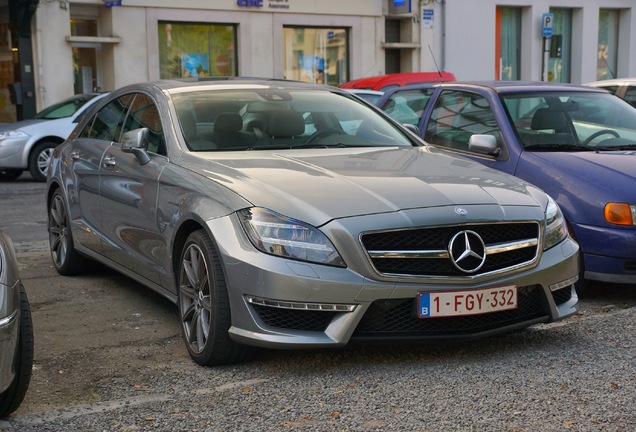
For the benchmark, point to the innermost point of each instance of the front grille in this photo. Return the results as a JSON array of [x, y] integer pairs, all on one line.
[[398, 318], [424, 251], [294, 319]]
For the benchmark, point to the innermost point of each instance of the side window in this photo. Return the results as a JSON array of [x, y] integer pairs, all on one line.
[[144, 113], [407, 106], [612, 89], [630, 95], [457, 116], [106, 125]]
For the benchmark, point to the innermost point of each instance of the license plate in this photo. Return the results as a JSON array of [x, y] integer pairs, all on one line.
[[473, 302]]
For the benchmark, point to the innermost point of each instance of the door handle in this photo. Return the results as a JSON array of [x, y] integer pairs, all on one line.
[[109, 161]]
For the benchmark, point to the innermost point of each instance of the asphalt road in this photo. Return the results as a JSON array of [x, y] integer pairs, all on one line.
[[109, 357]]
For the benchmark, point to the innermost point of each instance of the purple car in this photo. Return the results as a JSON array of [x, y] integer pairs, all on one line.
[[576, 143]]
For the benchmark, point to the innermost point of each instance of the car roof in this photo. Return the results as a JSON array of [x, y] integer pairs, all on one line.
[[503, 86], [228, 83], [615, 81]]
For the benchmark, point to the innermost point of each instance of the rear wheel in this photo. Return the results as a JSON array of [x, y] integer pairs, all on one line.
[[9, 174], [39, 160], [11, 399], [204, 307], [66, 260]]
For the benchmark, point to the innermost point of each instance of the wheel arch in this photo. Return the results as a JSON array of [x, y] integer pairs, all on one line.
[[183, 232]]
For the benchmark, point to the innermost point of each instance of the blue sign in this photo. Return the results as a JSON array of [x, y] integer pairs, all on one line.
[[548, 20], [249, 3]]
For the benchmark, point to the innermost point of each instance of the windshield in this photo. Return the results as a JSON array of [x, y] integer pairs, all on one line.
[[267, 118], [65, 108], [572, 121]]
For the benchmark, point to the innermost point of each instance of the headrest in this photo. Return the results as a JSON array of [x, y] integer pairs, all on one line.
[[228, 122], [545, 118], [188, 125], [285, 124]]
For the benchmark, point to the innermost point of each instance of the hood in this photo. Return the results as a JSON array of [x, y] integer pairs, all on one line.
[[319, 185], [609, 170], [22, 124]]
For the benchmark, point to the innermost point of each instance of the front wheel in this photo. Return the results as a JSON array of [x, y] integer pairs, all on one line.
[[204, 307], [39, 160], [11, 398], [66, 260]]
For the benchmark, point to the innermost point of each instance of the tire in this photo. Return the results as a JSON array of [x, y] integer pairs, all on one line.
[[9, 174], [204, 308], [11, 399], [39, 160], [66, 260]]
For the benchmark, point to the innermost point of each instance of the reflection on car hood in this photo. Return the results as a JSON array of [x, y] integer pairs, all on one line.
[[320, 185]]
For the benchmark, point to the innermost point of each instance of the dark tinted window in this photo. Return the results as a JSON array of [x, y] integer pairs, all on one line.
[[106, 124]]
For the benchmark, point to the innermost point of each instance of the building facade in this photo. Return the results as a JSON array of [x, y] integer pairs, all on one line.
[[86, 45]]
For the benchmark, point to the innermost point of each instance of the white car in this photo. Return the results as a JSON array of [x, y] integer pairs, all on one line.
[[624, 88], [28, 144]]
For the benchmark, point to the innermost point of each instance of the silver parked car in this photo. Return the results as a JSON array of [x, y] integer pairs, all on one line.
[[290, 215], [16, 332], [28, 144]]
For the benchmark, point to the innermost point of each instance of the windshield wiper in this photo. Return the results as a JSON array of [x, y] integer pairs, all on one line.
[[558, 147], [336, 145], [615, 148]]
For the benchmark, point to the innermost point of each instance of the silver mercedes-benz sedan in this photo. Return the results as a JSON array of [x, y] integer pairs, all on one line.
[[16, 332], [289, 215]]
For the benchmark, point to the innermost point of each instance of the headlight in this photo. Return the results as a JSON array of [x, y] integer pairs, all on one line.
[[620, 213], [279, 235], [555, 229], [12, 134]]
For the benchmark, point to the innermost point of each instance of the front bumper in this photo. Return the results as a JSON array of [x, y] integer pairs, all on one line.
[[12, 153], [282, 303], [609, 254]]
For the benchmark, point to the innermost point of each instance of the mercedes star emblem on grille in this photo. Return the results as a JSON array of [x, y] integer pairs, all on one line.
[[467, 251]]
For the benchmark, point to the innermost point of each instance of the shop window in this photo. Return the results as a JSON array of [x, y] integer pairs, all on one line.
[[607, 44], [508, 43], [319, 55], [197, 50], [560, 46]]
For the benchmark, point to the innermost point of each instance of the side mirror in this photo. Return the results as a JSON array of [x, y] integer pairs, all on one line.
[[136, 142], [412, 128], [485, 144]]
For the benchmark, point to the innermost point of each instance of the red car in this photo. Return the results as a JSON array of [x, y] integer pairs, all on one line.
[[385, 82]]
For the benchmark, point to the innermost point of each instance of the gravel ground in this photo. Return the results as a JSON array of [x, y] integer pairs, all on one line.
[[575, 375]]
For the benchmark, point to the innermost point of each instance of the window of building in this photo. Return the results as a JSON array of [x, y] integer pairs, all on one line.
[[508, 43], [197, 50], [560, 46], [319, 55], [607, 44], [85, 56]]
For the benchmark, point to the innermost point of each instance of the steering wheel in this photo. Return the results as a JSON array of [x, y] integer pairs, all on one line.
[[599, 133], [321, 134]]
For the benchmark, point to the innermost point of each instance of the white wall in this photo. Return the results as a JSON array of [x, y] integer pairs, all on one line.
[[461, 37]]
